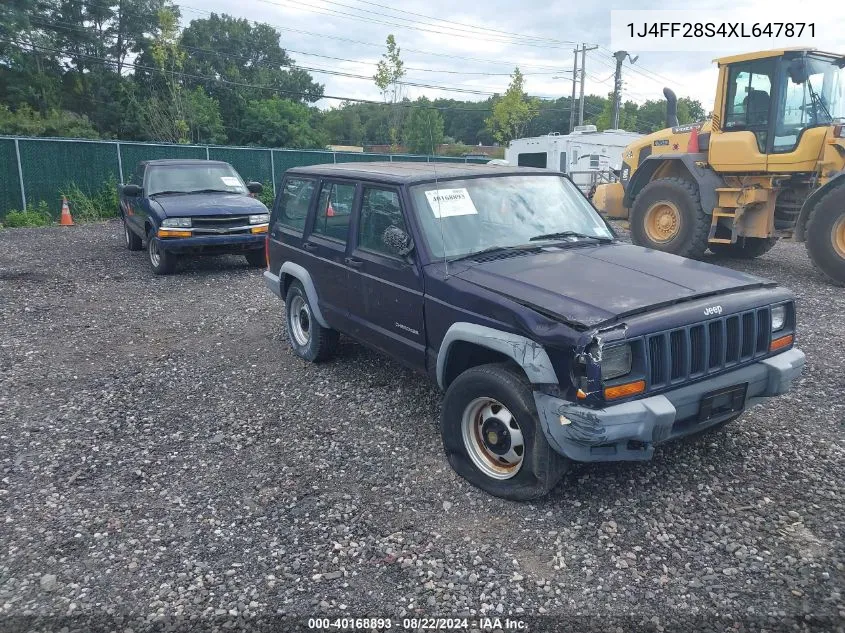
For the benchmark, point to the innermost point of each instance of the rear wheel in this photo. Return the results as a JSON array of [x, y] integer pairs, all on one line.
[[133, 242], [492, 435], [667, 216], [825, 235], [745, 247], [308, 338]]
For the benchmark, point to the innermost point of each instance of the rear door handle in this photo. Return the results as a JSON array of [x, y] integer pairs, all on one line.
[[355, 263], [308, 246]]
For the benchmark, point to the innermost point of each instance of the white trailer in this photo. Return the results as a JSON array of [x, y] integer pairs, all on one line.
[[587, 155]]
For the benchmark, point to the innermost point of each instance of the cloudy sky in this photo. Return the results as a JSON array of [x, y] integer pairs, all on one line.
[[466, 50]]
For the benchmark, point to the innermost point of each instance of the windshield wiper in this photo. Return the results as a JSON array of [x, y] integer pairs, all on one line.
[[211, 191], [167, 193], [489, 249], [561, 234]]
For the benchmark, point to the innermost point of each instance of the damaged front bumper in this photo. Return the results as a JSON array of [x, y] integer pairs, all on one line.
[[629, 431]]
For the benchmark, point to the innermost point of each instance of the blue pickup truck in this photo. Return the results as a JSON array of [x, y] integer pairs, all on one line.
[[554, 342], [198, 207]]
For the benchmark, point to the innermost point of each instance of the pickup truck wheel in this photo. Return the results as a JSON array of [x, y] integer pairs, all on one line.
[[667, 216], [256, 259], [133, 242], [492, 435], [825, 235], [308, 338], [162, 262], [745, 248]]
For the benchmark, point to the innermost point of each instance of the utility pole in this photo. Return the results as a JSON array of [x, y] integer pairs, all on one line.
[[574, 82], [584, 50], [617, 84]]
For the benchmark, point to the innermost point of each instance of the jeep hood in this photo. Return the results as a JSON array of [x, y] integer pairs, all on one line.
[[200, 204], [587, 286]]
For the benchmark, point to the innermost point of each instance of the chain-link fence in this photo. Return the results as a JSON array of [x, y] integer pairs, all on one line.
[[38, 169]]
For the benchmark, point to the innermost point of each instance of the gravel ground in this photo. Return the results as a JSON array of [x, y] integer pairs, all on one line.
[[167, 462]]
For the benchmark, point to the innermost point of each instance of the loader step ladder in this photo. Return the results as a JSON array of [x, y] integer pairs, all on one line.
[[726, 196]]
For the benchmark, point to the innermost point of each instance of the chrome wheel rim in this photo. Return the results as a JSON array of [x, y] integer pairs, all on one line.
[[493, 439], [155, 255], [300, 321]]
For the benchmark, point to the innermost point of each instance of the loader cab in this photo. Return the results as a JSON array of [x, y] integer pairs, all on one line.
[[773, 113]]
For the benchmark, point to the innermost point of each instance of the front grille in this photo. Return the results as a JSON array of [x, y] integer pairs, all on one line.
[[686, 353], [221, 224]]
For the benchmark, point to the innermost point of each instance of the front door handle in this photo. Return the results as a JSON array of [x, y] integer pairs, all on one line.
[[355, 263], [308, 246]]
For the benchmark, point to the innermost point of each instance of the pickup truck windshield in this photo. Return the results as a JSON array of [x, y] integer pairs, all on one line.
[[193, 178], [461, 217]]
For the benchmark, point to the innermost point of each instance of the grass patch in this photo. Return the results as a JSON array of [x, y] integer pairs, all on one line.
[[99, 205], [33, 215]]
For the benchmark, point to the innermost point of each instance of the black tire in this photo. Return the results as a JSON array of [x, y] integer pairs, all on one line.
[[162, 262], [541, 467], [825, 221], [317, 343], [132, 241], [745, 247], [690, 240], [256, 259]]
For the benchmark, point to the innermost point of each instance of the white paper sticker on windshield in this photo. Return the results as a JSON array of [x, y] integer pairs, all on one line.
[[446, 203], [230, 181]]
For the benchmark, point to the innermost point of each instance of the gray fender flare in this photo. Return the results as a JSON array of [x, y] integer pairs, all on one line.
[[303, 276], [528, 354]]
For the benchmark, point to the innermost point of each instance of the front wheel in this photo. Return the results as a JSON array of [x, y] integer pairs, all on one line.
[[162, 262], [825, 235], [745, 247], [667, 216], [492, 436]]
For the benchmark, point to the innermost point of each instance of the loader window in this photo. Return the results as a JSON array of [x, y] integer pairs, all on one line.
[[749, 96]]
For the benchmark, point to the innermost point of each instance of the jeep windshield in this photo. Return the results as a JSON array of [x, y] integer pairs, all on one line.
[[193, 178], [460, 218]]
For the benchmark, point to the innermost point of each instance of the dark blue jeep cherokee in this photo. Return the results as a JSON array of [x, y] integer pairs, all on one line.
[[553, 341]]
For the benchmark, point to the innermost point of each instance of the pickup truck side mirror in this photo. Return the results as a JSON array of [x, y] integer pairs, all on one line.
[[398, 241], [132, 191], [254, 187]]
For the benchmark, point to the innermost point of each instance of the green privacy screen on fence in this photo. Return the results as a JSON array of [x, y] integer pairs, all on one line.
[[48, 166]]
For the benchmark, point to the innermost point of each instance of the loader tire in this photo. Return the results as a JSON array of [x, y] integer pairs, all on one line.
[[667, 216], [745, 247], [825, 235]]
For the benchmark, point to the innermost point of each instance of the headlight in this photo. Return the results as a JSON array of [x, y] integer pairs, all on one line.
[[778, 318], [615, 361], [176, 223], [260, 218]]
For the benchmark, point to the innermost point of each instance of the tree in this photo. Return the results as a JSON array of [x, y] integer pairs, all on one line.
[[343, 125], [513, 111], [627, 115], [389, 72], [166, 112], [27, 122], [279, 122], [424, 128], [202, 113]]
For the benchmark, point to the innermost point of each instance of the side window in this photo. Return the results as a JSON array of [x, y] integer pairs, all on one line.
[[531, 159], [295, 202], [379, 210], [138, 176], [334, 210], [748, 98]]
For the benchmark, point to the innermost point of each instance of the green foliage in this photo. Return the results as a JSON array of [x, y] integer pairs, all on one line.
[[279, 122], [389, 72], [92, 207], [424, 128], [513, 111], [33, 215], [27, 122], [267, 196]]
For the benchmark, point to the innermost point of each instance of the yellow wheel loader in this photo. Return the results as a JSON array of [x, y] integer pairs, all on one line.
[[769, 164]]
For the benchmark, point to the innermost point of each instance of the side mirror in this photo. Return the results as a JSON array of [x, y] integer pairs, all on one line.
[[254, 187], [132, 191], [397, 241]]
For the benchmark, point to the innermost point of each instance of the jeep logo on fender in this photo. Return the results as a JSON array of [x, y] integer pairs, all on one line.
[[712, 310]]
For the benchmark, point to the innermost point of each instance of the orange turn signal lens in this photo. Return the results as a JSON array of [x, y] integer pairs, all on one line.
[[780, 343], [173, 233], [622, 391], [259, 229]]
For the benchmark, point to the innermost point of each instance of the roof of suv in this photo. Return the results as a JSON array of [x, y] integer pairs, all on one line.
[[413, 172], [183, 161]]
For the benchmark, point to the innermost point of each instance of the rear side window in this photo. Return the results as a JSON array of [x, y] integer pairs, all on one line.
[[379, 210], [295, 202], [531, 159], [334, 210]]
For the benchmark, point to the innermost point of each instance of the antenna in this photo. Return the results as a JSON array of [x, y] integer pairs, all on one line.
[[437, 188]]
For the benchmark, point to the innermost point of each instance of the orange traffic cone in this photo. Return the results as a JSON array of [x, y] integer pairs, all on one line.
[[66, 219]]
